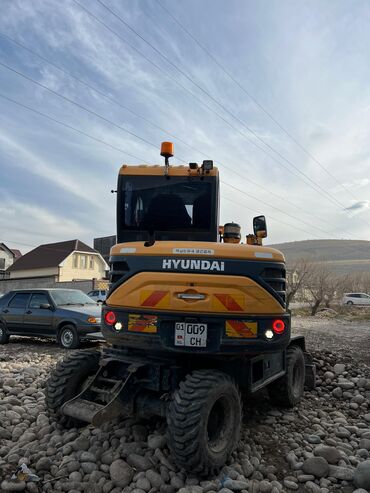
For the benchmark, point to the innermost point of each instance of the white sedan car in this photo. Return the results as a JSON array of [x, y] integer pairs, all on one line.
[[98, 295], [356, 299]]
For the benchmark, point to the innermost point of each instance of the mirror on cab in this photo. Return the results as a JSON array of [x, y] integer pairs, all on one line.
[[45, 306], [259, 226]]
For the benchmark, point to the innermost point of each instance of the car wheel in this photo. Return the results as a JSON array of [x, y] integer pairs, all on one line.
[[68, 337], [349, 303], [4, 336]]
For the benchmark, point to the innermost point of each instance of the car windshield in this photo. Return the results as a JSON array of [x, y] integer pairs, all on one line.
[[71, 297]]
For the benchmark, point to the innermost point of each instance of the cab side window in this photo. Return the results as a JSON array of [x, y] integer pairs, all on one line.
[[19, 300], [38, 299]]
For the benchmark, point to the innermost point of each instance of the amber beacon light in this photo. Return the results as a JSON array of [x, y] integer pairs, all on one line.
[[167, 149]]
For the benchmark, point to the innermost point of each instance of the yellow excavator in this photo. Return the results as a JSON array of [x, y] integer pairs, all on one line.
[[193, 319]]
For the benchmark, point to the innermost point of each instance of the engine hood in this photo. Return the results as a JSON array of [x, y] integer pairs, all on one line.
[[199, 249]]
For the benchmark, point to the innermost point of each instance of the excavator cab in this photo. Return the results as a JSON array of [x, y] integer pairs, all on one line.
[[180, 204]]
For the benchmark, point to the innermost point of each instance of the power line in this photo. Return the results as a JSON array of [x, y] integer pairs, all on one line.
[[271, 217], [256, 102], [314, 186], [115, 101], [95, 89], [123, 151], [103, 142], [34, 81], [276, 208], [220, 104], [92, 112]]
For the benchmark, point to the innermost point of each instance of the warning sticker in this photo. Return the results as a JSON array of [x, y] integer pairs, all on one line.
[[242, 329], [142, 323]]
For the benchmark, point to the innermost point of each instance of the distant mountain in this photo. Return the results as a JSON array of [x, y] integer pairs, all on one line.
[[341, 256]]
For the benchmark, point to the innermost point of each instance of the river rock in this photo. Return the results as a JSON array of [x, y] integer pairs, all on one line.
[[317, 466], [361, 477], [331, 454], [12, 486], [121, 473]]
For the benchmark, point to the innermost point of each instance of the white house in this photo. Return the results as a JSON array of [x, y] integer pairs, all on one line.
[[66, 261]]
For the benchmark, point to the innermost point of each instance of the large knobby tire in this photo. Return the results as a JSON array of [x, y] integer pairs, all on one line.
[[67, 380], [68, 337], [4, 336], [204, 419], [287, 391]]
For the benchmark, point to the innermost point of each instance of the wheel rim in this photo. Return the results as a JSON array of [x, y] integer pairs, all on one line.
[[67, 337], [219, 424], [297, 379], [1, 332]]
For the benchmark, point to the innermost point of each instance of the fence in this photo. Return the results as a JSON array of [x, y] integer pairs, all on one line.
[[87, 285]]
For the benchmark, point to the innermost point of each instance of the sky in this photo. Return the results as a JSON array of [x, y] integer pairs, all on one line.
[[276, 92]]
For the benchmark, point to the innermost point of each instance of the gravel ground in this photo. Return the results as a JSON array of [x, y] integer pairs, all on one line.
[[347, 338], [323, 445]]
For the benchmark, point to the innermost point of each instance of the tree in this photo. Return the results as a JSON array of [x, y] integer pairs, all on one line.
[[296, 277], [320, 286]]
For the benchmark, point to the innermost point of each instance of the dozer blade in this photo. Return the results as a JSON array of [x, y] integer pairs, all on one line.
[[104, 399]]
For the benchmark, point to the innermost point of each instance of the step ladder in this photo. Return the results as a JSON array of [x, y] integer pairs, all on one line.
[[104, 398]]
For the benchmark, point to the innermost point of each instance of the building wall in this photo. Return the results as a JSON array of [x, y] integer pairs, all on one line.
[[32, 273], [104, 244], [6, 259], [82, 265]]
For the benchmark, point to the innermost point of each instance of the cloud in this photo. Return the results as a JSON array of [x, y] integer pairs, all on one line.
[[358, 207], [25, 157], [32, 225]]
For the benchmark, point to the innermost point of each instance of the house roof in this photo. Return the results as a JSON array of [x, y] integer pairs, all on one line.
[[50, 255], [17, 253]]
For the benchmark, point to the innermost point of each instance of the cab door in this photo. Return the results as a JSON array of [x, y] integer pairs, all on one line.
[[13, 313], [38, 320]]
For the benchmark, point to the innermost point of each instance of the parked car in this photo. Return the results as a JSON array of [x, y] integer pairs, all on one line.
[[356, 299], [98, 295], [66, 315]]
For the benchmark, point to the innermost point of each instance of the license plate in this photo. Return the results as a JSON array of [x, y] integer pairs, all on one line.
[[191, 335]]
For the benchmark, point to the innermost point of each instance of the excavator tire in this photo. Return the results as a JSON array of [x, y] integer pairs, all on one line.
[[287, 391], [204, 419], [67, 380]]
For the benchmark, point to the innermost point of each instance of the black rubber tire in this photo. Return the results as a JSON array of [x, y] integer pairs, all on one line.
[[349, 303], [70, 342], [4, 336], [204, 419], [288, 390], [66, 381]]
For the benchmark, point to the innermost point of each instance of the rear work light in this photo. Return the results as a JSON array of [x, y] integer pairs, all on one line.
[[278, 326], [110, 318]]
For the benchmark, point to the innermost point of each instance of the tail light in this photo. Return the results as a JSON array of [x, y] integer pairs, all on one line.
[[278, 326], [110, 318]]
